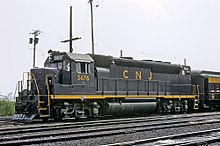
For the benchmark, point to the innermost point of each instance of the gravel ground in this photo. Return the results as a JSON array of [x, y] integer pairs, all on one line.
[[98, 127], [5, 117], [135, 136], [5, 121], [212, 144], [129, 136]]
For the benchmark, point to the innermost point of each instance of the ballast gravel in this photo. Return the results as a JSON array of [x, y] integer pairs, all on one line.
[[134, 136]]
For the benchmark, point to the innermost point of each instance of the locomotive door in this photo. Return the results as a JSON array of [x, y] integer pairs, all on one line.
[[206, 87]]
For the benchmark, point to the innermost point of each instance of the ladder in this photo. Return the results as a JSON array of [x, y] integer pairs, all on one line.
[[196, 99], [196, 103], [44, 101], [43, 108]]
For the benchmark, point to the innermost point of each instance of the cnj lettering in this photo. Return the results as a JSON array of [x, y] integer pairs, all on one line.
[[138, 75], [150, 75], [125, 74]]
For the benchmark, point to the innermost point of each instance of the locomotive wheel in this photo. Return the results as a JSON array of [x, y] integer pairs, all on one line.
[[81, 114], [45, 119], [58, 119], [159, 108]]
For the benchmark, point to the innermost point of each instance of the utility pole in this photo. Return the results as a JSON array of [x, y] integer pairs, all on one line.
[[92, 31], [71, 39], [34, 40], [71, 30]]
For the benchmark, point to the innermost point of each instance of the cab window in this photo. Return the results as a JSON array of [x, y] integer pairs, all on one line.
[[211, 87], [58, 65], [216, 86], [66, 65], [83, 67]]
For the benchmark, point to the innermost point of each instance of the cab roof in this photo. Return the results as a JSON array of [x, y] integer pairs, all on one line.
[[79, 57]]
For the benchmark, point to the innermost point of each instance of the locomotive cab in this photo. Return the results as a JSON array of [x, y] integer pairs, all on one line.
[[63, 74], [75, 75]]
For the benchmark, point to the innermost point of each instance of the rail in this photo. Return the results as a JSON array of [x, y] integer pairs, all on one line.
[[20, 86], [196, 100], [48, 88], [25, 84], [141, 87], [182, 89], [117, 127], [32, 77]]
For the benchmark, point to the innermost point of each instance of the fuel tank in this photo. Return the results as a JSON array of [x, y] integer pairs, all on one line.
[[130, 108]]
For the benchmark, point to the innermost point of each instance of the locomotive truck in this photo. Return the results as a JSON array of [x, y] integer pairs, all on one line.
[[91, 85]]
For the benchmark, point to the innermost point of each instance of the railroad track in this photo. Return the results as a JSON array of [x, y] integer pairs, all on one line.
[[60, 126], [6, 121], [185, 139], [102, 129], [5, 118]]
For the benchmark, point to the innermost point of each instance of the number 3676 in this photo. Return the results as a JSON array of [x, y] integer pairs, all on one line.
[[82, 77]]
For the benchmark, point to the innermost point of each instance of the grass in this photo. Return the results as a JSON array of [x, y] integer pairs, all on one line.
[[7, 108]]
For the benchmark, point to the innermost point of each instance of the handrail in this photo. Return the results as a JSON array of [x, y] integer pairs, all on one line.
[[165, 86], [156, 83], [38, 91], [181, 85], [197, 86], [48, 89], [16, 89], [106, 78], [194, 89], [20, 86], [23, 78]]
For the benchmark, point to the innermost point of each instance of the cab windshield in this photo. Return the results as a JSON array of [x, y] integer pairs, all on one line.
[[58, 65]]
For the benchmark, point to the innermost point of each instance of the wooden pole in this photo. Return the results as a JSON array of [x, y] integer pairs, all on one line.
[[71, 29]]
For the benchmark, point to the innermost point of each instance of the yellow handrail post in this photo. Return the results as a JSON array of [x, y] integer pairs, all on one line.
[[48, 90], [32, 77]]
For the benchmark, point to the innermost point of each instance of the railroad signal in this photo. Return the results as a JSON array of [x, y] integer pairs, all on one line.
[[30, 40], [34, 41]]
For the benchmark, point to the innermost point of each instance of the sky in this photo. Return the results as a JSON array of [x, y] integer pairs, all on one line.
[[160, 30]]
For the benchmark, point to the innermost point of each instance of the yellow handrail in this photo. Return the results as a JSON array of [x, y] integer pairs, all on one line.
[[48, 88], [194, 89], [197, 89], [38, 92]]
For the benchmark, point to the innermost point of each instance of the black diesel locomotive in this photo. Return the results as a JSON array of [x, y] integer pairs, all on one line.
[[79, 85]]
